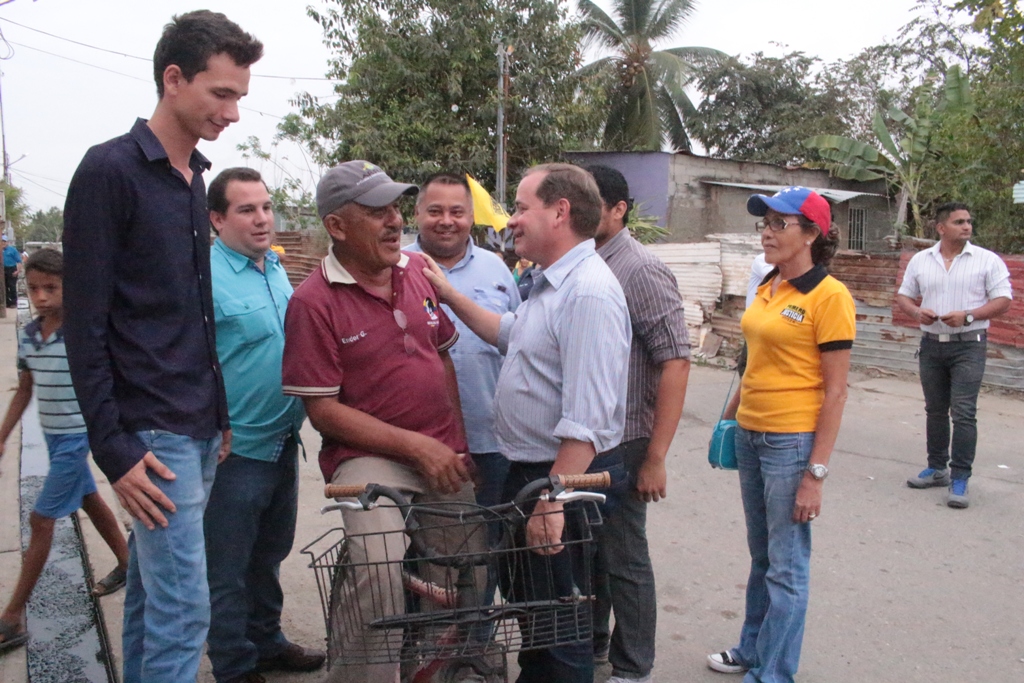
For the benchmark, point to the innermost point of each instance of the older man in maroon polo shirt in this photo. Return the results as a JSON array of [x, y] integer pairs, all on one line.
[[366, 349]]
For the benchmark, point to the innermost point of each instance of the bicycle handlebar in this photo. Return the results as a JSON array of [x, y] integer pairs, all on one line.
[[555, 484], [343, 491]]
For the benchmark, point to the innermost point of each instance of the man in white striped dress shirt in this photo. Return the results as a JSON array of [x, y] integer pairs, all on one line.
[[960, 287], [560, 403]]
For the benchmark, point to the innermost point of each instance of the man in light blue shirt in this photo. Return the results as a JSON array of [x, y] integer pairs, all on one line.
[[250, 519], [560, 403], [444, 216], [12, 268]]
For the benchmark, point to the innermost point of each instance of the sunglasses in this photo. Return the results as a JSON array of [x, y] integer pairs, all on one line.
[[403, 323]]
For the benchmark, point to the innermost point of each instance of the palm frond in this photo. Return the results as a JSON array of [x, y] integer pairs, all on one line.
[[599, 28], [667, 17]]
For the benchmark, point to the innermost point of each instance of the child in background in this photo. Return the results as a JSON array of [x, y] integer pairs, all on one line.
[[43, 364]]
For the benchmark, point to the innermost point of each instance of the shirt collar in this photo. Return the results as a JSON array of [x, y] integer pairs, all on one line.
[[968, 249], [463, 262], [615, 244], [155, 151], [238, 261], [560, 269], [809, 280], [34, 331], [336, 274]]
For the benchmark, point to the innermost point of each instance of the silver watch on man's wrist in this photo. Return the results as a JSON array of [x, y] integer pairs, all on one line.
[[819, 472]]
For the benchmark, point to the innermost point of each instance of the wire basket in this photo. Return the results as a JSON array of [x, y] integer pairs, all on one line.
[[384, 602]]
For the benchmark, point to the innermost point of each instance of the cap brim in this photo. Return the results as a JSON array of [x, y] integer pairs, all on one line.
[[385, 194]]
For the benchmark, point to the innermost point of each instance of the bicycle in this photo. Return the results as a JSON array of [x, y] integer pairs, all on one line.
[[447, 629]]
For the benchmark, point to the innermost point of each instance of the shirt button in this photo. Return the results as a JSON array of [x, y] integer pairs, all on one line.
[[206, 319]]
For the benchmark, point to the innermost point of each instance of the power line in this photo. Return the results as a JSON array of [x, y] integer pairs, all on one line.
[[146, 59], [78, 61], [42, 177], [119, 73], [29, 180]]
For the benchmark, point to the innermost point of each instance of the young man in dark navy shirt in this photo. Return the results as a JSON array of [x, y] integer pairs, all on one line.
[[139, 329]]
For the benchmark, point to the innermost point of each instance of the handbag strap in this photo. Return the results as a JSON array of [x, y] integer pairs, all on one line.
[[728, 395]]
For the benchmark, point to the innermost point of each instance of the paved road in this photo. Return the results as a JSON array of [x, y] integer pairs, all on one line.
[[904, 589]]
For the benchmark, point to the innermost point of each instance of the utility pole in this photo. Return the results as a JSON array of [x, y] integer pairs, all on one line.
[[500, 174], [3, 200]]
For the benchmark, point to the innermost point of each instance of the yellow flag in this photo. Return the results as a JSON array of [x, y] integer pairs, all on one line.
[[486, 211]]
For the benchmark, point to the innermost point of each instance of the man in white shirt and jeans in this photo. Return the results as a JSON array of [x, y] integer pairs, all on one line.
[[960, 287]]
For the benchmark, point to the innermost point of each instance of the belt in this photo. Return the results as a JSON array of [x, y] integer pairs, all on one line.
[[975, 336]]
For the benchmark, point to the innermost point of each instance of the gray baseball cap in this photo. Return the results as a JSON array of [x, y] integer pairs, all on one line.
[[358, 181]]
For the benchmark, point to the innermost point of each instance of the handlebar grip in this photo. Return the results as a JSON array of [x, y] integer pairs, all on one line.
[[343, 491], [596, 480]]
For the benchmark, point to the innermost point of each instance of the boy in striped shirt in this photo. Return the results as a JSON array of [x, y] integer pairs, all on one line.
[[43, 366]]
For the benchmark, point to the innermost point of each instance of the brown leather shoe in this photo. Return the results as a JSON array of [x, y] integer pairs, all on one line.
[[250, 677], [293, 658]]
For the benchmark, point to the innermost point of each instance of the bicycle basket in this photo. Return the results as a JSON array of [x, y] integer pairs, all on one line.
[[384, 603]]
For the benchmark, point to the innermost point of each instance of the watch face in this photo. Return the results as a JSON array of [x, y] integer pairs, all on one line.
[[969, 318], [818, 471]]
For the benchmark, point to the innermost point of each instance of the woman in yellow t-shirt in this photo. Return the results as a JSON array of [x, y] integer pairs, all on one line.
[[799, 331]]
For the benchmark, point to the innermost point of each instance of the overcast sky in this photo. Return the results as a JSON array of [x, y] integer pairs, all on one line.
[[55, 109]]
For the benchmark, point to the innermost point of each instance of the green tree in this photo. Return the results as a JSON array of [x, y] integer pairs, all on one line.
[[983, 153], [645, 88], [762, 108], [292, 198], [418, 86], [903, 164], [16, 208], [42, 226]]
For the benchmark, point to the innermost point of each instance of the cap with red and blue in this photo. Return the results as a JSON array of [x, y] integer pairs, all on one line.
[[794, 201]]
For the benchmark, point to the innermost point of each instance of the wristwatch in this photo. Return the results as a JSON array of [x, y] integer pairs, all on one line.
[[968, 319], [819, 472]]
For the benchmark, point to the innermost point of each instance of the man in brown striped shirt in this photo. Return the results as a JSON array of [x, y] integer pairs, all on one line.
[[659, 365]]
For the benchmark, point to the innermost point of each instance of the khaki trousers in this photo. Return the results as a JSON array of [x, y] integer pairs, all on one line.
[[371, 586]]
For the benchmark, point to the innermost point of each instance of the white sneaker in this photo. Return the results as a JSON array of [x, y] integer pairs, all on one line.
[[649, 678], [723, 662]]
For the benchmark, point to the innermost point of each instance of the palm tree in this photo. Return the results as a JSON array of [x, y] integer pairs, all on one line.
[[646, 97]]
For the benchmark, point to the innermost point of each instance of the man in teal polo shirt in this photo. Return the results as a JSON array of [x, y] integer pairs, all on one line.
[[250, 519]]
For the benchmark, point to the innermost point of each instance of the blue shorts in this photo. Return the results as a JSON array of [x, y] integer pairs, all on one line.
[[69, 479]]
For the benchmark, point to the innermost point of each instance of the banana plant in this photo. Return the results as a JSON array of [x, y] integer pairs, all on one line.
[[901, 164]]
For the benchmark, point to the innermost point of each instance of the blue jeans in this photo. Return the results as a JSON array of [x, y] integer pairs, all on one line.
[[545, 577], [624, 578], [167, 601], [951, 374], [250, 527], [771, 467]]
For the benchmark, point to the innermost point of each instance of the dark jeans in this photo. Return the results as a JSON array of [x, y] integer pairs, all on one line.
[[624, 579], [11, 286], [250, 526], [543, 577], [951, 375]]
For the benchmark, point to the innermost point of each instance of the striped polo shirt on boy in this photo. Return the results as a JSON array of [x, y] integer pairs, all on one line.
[[47, 360], [786, 334]]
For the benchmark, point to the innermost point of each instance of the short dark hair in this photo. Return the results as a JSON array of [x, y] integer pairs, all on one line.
[[612, 185], [190, 39], [824, 247], [46, 260], [217, 194], [942, 211], [445, 178], [572, 183]]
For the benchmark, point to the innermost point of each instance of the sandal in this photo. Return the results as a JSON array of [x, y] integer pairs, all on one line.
[[111, 583], [13, 636]]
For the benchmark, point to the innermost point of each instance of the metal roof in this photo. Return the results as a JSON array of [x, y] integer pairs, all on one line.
[[838, 196]]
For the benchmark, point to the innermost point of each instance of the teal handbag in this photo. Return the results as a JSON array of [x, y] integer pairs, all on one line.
[[722, 449]]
